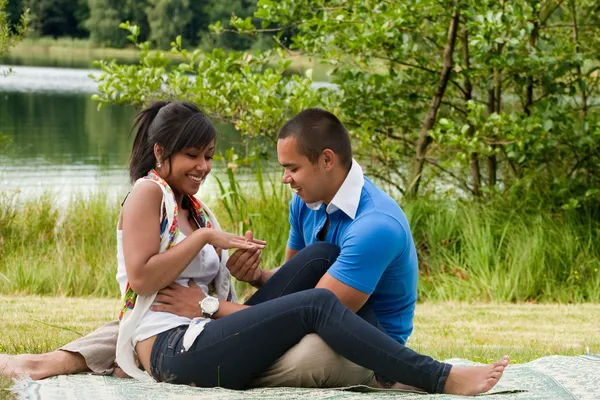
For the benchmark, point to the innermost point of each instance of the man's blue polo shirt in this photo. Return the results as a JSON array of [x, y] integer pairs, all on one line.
[[377, 252]]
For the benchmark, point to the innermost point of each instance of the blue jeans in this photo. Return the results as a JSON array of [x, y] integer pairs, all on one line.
[[232, 350]]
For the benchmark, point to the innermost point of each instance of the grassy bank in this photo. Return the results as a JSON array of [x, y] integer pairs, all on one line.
[[81, 53], [481, 332], [468, 251]]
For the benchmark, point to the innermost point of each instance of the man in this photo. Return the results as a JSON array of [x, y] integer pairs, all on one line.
[[374, 274]]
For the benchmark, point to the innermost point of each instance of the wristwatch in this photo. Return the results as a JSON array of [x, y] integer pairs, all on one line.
[[209, 305]]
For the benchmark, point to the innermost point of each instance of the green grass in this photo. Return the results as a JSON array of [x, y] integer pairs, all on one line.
[[498, 251], [468, 251], [481, 332]]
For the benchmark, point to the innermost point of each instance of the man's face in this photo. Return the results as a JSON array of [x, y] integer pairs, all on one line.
[[308, 180]]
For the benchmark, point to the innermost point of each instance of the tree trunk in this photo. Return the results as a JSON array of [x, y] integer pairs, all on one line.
[[491, 160], [533, 39], [584, 105], [474, 158], [429, 121]]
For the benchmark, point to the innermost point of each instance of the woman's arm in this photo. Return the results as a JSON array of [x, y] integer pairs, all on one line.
[[148, 270]]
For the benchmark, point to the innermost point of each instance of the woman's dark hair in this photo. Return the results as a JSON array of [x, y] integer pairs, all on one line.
[[175, 126]]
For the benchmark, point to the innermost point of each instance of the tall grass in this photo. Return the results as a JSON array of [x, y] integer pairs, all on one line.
[[495, 251], [468, 251], [50, 251], [262, 208]]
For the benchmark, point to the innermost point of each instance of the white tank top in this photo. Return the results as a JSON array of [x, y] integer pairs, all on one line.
[[203, 269]]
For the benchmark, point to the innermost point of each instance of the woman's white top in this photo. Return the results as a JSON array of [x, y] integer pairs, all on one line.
[[140, 322], [203, 269]]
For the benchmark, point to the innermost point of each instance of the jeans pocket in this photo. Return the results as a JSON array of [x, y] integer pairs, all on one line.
[[174, 341]]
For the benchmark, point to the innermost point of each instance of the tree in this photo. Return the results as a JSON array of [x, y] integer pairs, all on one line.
[[167, 19], [221, 11], [134, 11], [104, 16], [10, 34], [57, 17], [476, 96]]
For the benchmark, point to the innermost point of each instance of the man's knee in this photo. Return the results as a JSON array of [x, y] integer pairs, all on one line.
[[312, 363]]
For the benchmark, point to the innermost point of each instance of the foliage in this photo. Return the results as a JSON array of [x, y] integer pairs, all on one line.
[[234, 87], [500, 252], [472, 97], [518, 97], [11, 33], [159, 20], [167, 19], [57, 17], [221, 12], [258, 204], [505, 251], [104, 16]]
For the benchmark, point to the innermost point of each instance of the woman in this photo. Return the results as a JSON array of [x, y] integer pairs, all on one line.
[[166, 235]]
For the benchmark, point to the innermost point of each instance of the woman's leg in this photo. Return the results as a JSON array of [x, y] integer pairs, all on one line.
[[301, 272], [234, 349]]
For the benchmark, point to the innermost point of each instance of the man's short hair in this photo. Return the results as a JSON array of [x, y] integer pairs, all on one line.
[[316, 130]]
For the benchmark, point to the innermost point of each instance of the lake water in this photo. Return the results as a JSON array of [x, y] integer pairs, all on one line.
[[61, 143]]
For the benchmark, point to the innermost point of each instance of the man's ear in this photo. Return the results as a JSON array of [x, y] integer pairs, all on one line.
[[329, 159]]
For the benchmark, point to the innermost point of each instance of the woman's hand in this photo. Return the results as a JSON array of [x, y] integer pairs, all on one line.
[[225, 240]]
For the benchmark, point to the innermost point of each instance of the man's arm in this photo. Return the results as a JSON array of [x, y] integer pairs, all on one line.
[[289, 253], [352, 298], [365, 254]]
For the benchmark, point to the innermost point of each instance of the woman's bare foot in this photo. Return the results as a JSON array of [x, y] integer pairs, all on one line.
[[40, 366], [470, 381], [20, 365]]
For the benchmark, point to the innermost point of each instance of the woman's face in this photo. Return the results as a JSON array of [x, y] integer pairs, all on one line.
[[188, 169]]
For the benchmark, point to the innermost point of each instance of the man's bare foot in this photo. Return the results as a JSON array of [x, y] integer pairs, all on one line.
[[40, 366], [470, 381]]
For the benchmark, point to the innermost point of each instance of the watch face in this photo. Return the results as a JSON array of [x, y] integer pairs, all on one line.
[[210, 305]]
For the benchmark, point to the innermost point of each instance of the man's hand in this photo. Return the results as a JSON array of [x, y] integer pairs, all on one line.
[[180, 300], [244, 265]]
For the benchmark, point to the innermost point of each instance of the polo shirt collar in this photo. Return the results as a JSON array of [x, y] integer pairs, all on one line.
[[348, 195]]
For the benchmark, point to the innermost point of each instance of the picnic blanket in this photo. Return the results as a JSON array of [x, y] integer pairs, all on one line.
[[553, 377]]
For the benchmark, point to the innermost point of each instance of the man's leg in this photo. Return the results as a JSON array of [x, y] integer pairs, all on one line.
[[94, 352], [313, 364]]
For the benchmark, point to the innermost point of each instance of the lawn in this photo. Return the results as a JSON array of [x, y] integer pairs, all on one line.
[[478, 331]]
